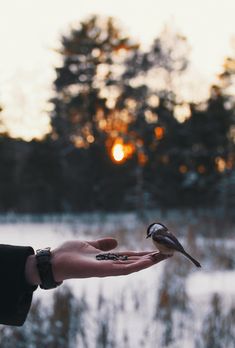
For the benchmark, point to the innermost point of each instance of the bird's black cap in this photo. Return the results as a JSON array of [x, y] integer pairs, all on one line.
[[151, 225]]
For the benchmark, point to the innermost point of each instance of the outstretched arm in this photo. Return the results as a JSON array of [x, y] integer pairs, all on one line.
[[76, 259]]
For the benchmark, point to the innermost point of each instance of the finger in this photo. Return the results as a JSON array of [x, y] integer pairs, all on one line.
[[139, 265], [134, 258], [104, 244], [117, 268], [134, 253], [124, 262], [157, 257]]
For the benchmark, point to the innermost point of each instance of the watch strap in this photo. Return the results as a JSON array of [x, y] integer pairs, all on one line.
[[44, 266]]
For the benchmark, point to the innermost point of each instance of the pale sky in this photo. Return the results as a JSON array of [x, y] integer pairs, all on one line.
[[30, 29]]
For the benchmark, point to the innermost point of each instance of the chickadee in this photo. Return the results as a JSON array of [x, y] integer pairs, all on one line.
[[166, 242]]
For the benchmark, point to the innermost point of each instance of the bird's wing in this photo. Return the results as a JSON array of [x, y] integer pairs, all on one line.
[[169, 240]]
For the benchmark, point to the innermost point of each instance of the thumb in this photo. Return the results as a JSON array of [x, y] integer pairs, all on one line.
[[104, 244]]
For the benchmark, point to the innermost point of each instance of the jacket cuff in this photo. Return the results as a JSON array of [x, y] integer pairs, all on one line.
[[16, 293]]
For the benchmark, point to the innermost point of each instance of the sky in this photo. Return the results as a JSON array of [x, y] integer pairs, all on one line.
[[30, 31]]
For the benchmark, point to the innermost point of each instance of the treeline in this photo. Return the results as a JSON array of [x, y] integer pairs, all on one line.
[[43, 177], [108, 92]]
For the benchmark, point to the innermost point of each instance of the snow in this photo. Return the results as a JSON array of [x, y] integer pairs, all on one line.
[[134, 297], [204, 283]]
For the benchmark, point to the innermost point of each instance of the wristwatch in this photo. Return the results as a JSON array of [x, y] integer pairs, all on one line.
[[43, 261]]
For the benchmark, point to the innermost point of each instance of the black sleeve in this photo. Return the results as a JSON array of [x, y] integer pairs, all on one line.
[[15, 292]]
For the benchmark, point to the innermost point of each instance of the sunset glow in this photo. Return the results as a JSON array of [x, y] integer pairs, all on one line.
[[118, 152], [29, 50]]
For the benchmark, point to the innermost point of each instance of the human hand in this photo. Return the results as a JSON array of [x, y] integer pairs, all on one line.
[[76, 259]]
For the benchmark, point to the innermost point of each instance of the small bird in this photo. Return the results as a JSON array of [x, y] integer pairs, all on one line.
[[166, 242]]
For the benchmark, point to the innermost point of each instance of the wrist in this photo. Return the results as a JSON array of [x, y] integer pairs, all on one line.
[[56, 266], [31, 271], [45, 263]]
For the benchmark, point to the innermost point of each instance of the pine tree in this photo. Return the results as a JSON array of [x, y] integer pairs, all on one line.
[[149, 97], [208, 146], [88, 82]]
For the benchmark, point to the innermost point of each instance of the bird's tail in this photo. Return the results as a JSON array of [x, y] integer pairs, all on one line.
[[196, 263]]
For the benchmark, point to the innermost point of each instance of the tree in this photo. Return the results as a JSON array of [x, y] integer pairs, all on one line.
[[105, 96], [226, 86], [88, 82], [203, 150], [149, 99], [109, 93]]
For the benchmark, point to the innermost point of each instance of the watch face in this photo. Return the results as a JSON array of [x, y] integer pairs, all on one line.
[[46, 251]]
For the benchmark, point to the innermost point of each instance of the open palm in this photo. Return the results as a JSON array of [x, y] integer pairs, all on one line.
[[76, 259]]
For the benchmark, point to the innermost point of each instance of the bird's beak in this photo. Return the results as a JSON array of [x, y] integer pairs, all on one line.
[[148, 236]]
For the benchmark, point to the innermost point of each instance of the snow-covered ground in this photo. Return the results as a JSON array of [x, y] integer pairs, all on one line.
[[131, 301]]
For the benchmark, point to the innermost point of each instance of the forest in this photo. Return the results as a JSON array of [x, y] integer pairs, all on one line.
[[126, 146], [123, 137]]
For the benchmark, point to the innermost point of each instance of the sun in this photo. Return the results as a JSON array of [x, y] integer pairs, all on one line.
[[121, 151], [118, 152]]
